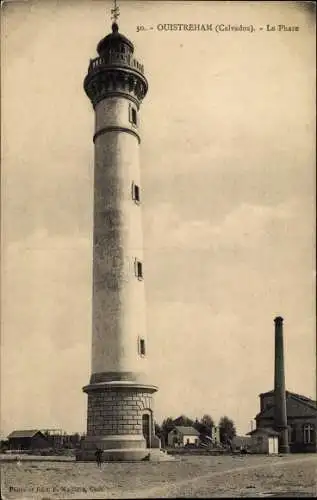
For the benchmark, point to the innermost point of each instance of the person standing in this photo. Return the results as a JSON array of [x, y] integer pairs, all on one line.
[[98, 455]]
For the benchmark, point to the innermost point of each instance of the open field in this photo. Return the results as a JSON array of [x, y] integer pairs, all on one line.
[[188, 476]]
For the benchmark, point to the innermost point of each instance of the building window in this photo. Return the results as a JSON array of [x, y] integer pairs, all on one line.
[[308, 433], [291, 434], [141, 347], [139, 269], [136, 193]]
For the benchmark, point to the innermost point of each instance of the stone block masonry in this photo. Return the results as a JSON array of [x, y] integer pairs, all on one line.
[[117, 412]]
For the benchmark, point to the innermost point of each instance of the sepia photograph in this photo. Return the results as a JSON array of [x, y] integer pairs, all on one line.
[[158, 265]]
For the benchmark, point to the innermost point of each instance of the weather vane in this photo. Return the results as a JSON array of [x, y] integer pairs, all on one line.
[[115, 12]]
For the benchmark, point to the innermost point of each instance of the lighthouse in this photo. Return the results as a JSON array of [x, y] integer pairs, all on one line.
[[120, 396]]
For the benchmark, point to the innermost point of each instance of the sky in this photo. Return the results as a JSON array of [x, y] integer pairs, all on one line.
[[228, 172]]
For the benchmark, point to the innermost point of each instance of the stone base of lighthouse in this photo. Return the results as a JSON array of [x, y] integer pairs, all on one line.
[[120, 422]]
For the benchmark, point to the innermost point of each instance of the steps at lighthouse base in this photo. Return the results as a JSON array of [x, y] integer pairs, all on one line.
[[125, 455], [113, 455], [157, 455]]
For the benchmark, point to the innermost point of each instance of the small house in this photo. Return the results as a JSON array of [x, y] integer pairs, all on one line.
[[264, 440], [182, 436], [27, 440]]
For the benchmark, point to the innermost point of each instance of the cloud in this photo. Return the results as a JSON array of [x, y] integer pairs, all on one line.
[[45, 282], [245, 226]]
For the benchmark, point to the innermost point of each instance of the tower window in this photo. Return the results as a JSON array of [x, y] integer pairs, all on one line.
[[133, 115], [139, 269], [136, 193], [141, 347]]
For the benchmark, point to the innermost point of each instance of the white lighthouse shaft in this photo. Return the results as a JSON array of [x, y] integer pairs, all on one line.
[[119, 326]]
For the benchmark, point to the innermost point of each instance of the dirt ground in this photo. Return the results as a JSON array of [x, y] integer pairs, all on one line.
[[189, 476]]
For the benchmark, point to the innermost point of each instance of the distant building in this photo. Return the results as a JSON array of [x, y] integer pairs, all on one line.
[[301, 419], [241, 442], [182, 436], [264, 440], [213, 441], [215, 434], [27, 440], [56, 437]]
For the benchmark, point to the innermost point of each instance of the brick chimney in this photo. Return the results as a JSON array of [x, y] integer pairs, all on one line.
[[280, 415]]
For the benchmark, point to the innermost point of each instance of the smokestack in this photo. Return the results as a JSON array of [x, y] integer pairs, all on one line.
[[280, 416]]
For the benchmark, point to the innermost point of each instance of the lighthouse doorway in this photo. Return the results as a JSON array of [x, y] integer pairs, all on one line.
[[146, 429]]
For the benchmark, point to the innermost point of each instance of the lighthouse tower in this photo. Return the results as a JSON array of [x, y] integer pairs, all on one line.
[[120, 412]]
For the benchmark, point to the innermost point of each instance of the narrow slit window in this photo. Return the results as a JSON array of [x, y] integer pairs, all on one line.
[[134, 116], [142, 347], [136, 193], [139, 270]]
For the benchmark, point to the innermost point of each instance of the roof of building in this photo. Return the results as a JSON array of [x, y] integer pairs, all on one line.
[[263, 430], [237, 440], [294, 394], [187, 430], [24, 433], [268, 412]]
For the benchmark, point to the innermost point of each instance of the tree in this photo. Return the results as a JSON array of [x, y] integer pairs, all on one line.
[[166, 427], [157, 429], [227, 430], [204, 425], [208, 420], [183, 421], [207, 425]]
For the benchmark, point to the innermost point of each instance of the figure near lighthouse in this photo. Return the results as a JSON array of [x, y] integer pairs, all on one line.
[[120, 407]]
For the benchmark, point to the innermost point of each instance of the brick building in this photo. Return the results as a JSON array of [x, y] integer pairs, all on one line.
[[301, 419]]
